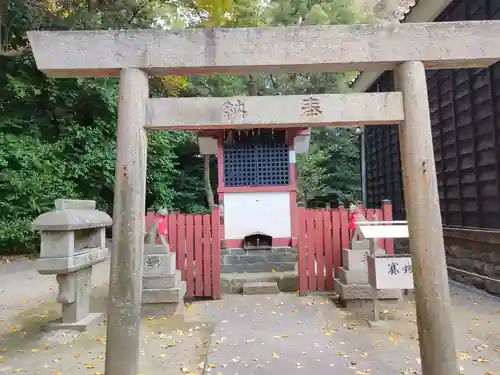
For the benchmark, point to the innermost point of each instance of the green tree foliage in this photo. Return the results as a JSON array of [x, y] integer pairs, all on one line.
[[329, 172], [57, 136]]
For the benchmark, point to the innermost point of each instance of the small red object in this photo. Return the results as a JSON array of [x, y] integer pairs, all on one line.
[[352, 221], [162, 225]]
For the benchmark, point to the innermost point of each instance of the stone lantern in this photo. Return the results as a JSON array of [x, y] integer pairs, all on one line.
[[73, 239]]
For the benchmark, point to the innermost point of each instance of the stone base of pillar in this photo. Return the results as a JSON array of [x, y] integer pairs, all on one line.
[[89, 321], [163, 290], [352, 283], [362, 291], [162, 310]]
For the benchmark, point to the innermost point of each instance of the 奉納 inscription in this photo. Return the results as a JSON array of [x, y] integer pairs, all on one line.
[[234, 110], [310, 107]]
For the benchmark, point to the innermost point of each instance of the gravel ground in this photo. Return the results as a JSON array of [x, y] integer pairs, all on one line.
[[292, 335], [253, 334]]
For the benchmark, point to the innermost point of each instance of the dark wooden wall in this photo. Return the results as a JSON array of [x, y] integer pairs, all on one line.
[[465, 118]]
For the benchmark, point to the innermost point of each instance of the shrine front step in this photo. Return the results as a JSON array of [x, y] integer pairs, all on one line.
[[250, 261], [266, 287], [257, 267], [277, 249], [288, 282]]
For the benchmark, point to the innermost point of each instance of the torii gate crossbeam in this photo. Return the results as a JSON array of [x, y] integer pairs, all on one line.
[[407, 48]]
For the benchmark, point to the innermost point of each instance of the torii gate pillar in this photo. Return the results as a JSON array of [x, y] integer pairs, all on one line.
[[125, 283], [435, 331]]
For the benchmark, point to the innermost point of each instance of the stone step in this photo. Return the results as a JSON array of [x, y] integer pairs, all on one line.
[[356, 276], [363, 291], [164, 295], [258, 267], [360, 245], [162, 282], [259, 258], [155, 249], [161, 310], [288, 281], [356, 259], [267, 287], [281, 249]]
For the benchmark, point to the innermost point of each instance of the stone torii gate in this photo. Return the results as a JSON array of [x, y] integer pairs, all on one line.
[[406, 48]]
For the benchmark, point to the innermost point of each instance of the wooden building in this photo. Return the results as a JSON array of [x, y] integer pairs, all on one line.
[[465, 115]]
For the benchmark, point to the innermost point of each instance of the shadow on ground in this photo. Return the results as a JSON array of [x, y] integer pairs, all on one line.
[[168, 345]]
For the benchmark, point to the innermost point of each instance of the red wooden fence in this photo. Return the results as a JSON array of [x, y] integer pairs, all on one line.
[[323, 233], [196, 242]]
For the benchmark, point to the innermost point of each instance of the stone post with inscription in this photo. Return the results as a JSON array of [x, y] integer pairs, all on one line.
[[73, 239], [351, 283], [162, 288]]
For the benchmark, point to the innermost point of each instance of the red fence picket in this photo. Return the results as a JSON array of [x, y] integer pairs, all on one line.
[[196, 242], [302, 250], [190, 255], [323, 233]]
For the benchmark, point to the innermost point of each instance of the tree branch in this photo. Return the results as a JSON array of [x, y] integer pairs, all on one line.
[[16, 53], [273, 81], [136, 12]]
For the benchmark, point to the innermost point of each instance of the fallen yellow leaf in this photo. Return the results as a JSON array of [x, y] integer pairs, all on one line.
[[409, 371], [162, 355], [275, 355], [185, 370], [480, 360], [463, 356], [394, 339]]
